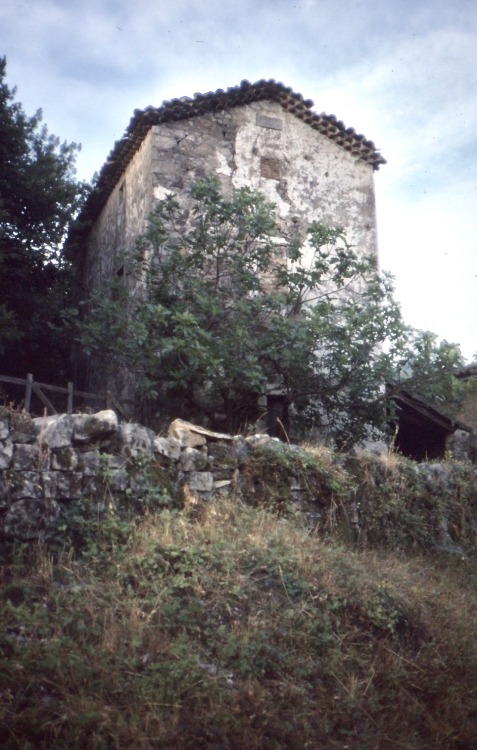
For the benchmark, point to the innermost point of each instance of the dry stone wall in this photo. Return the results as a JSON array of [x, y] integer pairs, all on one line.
[[48, 464], [53, 469]]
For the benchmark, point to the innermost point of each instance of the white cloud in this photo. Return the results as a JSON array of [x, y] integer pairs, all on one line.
[[430, 245], [417, 100]]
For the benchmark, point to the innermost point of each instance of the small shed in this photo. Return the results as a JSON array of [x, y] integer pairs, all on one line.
[[423, 432]]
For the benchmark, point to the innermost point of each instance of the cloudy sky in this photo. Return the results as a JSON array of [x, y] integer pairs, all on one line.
[[403, 72]]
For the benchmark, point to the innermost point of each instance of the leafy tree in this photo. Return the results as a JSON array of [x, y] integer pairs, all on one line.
[[222, 308], [38, 197], [216, 312], [427, 367]]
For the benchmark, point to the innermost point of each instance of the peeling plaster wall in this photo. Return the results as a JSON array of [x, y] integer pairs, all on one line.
[[260, 145], [307, 175]]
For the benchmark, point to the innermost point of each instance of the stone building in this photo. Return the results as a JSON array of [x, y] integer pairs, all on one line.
[[262, 135], [424, 433]]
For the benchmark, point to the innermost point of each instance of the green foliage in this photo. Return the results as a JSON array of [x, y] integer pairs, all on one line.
[[38, 197], [427, 368], [274, 469], [402, 505], [225, 307], [220, 306]]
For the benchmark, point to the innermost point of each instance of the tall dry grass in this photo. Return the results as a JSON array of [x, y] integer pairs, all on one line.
[[222, 627]]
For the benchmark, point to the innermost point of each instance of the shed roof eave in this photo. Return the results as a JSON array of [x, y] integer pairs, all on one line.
[[429, 413]]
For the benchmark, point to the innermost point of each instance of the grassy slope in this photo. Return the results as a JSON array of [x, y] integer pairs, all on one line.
[[224, 627]]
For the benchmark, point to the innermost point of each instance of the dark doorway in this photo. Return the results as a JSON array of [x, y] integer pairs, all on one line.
[[277, 417]]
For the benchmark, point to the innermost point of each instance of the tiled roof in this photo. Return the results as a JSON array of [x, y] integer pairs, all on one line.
[[245, 93]]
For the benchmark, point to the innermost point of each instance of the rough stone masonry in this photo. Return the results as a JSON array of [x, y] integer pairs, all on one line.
[[47, 463], [50, 466]]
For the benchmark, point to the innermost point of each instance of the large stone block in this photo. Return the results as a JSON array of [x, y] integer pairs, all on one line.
[[91, 462], [187, 437], [6, 455], [132, 439], [192, 460], [94, 427], [191, 435], [25, 484], [68, 485], [22, 427], [27, 457], [169, 447], [66, 459], [30, 518], [199, 481], [55, 431], [222, 456]]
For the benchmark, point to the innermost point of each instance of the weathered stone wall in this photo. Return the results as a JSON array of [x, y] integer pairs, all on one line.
[[53, 468], [307, 175], [121, 220], [49, 463], [260, 145]]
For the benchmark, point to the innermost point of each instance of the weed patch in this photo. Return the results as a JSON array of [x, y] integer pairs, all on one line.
[[236, 629]]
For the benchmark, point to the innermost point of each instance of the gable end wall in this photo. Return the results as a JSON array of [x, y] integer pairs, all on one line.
[[307, 175]]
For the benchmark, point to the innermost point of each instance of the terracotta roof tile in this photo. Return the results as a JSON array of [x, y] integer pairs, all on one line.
[[187, 107]]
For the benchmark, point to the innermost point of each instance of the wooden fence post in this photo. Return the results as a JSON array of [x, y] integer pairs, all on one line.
[[69, 407], [31, 386], [28, 390]]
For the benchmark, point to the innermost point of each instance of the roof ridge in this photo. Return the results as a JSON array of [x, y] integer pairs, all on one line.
[[245, 93]]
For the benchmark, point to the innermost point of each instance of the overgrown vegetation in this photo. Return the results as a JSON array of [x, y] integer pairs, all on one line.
[[222, 625], [148, 623], [38, 197], [220, 304], [381, 501]]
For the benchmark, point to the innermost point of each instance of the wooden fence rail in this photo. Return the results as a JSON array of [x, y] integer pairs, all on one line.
[[32, 386]]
